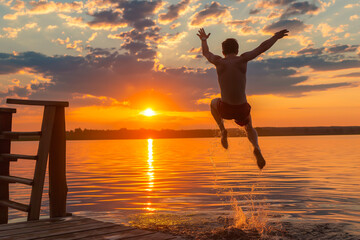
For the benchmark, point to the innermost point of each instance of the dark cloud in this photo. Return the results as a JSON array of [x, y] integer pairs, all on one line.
[[311, 51], [107, 18], [271, 77], [291, 7], [317, 63], [14, 91], [265, 4], [212, 12], [254, 11], [299, 8], [294, 26], [139, 49], [106, 72], [342, 48], [174, 11], [137, 14]]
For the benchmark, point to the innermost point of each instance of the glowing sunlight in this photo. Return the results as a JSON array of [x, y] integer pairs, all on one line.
[[148, 112]]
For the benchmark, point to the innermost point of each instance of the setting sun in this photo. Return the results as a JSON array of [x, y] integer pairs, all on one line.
[[148, 112]]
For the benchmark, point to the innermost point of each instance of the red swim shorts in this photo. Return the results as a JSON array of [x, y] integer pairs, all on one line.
[[240, 113]]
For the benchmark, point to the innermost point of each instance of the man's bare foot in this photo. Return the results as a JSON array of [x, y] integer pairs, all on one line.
[[224, 141], [259, 158]]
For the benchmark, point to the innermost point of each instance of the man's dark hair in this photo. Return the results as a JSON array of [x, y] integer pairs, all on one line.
[[230, 45]]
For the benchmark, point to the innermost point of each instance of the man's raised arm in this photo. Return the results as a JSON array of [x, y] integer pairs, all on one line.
[[264, 46], [205, 48]]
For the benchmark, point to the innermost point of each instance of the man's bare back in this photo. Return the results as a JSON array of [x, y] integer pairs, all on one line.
[[231, 71]]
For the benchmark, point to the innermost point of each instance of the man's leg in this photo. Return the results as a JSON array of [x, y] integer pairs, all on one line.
[[219, 121], [253, 138]]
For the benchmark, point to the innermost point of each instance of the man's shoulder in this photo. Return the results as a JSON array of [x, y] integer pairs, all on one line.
[[237, 59]]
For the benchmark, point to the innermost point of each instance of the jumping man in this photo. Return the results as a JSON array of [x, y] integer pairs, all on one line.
[[231, 71]]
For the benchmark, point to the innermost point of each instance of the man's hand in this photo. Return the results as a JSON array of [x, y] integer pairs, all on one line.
[[202, 35], [281, 33]]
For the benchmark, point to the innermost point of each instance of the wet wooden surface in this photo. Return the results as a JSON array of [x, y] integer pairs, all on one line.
[[75, 227]]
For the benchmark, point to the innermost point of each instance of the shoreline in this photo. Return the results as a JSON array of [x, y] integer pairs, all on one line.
[[94, 134]]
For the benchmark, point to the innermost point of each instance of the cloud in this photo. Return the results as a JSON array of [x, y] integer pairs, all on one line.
[[109, 73], [139, 49], [136, 14], [277, 76], [334, 49], [311, 51], [299, 8], [50, 27], [317, 63], [327, 30], [92, 37], [350, 75], [273, 3], [354, 17], [43, 7], [151, 34], [13, 32], [294, 26], [174, 11], [211, 14], [73, 21], [14, 91], [242, 27], [254, 11], [108, 19], [352, 5], [18, 5], [76, 44]]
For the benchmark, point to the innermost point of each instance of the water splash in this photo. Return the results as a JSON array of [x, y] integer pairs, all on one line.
[[256, 217]]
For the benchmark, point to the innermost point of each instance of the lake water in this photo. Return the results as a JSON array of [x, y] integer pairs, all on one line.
[[307, 178]]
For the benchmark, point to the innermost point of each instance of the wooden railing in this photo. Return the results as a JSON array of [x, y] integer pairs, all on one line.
[[52, 144]]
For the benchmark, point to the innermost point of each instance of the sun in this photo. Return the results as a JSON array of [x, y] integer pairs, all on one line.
[[148, 112]]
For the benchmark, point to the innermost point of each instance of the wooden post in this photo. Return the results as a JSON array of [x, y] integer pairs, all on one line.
[[5, 125], [57, 166], [41, 163]]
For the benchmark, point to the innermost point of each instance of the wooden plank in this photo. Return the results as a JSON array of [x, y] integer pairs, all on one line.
[[40, 168], [8, 110], [36, 133], [8, 159], [18, 156], [91, 233], [57, 166], [18, 225], [47, 227], [15, 205], [120, 235], [153, 236], [45, 233], [5, 125], [16, 135], [37, 102], [13, 179]]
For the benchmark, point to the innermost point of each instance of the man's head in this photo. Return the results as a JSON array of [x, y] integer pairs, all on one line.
[[229, 46]]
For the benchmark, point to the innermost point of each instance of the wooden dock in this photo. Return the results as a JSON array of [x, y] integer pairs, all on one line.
[[52, 146], [76, 227]]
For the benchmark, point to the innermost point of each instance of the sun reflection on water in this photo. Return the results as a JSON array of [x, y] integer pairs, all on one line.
[[150, 173]]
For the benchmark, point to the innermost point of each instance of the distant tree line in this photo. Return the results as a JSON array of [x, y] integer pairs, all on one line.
[[92, 134], [124, 133]]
